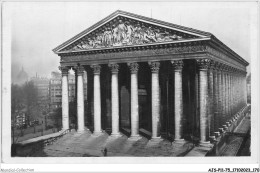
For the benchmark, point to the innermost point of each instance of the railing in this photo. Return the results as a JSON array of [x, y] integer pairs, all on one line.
[[29, 148], [51, 140], [222, 139]]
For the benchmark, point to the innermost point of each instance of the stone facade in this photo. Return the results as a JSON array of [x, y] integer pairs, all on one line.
[[186, 83]]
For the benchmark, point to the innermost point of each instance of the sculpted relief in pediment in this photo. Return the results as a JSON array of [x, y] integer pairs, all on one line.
[[124, 32]]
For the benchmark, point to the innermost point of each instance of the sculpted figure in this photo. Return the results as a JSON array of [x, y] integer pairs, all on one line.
[[159, 36], [129, 33], [91, 42], [107, 38], [98, 41], [137, 34], [150, 35], [114, 34], [121, 31]]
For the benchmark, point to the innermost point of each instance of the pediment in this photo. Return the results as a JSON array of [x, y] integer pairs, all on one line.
[[125, 29]]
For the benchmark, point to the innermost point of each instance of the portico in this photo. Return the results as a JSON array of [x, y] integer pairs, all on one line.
[[146, 75]]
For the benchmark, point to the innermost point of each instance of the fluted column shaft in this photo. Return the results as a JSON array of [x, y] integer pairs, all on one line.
[[227, 112], [134, 100], [222, 119], [203, 91], [65, 98], [232, 94], [155, 66], [237, 94], [220, 94], [216, 97], [178, 99], [245, 90], [211, 99], [97, 99], [115, 99], [229, 95], [80, 99], [226, 95]]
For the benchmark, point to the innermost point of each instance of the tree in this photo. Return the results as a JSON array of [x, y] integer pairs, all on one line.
[[17, 98], [30, 96], [30, 92], [57, 117]]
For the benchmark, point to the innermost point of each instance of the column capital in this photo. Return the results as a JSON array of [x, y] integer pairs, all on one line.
[[64, 70], [217, 67], [155, 66], [226, 68], [80, 69], [212, 65], [204, 63], [134, 66], [96, 68], [114, 67], [177, 64]]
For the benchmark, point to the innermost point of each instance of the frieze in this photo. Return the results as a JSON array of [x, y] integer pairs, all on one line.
[[134, 53], [124, 32], [222, 56]]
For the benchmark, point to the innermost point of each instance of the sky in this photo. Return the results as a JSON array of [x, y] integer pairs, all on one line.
[[39, 27]]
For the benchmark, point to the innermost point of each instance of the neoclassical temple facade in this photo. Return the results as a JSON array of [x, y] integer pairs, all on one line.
[[152, 77]]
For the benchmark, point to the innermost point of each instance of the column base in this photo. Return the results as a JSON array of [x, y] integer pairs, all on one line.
[[116, 135], [212, 139], [221, 130], [156, 139], [135, 137], [98, 133], [205, 144], [217, 134], [80, 131], [179, 141]]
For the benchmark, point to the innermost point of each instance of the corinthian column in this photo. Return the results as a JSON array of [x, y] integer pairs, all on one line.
[[229, 92], [232, 92], [216, 96], [80, 98], [223, 106], [178, 101], [115, 100], [155, 66], [97, 99], [220, 96], [211, 99], [134, 100], [65, 98], [203, 65]]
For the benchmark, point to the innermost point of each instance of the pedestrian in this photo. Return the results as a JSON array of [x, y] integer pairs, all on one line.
[[104, 152]]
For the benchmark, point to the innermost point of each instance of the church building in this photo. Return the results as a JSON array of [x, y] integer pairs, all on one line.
[[150, 77]]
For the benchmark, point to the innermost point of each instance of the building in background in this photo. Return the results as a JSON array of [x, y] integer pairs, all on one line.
[[55, 89], [248, 84], [21, 77], [42, 85], [20, 119]]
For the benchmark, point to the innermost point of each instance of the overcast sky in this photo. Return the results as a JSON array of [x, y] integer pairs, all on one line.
[[38, 27]]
